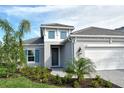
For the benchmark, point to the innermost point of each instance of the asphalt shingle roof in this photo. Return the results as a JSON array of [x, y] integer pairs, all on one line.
[[37, 40], [97, 31]]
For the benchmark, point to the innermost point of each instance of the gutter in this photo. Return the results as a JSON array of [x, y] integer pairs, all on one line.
[[96, 36]]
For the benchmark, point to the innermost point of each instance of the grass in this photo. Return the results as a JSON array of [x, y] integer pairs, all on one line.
[[22, 82]]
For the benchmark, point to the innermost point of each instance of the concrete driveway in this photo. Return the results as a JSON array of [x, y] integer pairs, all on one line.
[[115, 76]]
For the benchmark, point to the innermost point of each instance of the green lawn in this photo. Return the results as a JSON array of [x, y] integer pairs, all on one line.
[[22, 82]]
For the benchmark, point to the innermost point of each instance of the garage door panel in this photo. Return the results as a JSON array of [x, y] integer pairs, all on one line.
[[106, 58]]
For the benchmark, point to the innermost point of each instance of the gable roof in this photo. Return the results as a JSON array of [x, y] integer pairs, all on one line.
[[38, 40], [97, 31]]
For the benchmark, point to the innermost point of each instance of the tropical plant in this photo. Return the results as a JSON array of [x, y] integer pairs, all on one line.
[[12, 48], [80, 68], [99, 82], [56, 80], [67, 79], [76, 84], [24, 27]]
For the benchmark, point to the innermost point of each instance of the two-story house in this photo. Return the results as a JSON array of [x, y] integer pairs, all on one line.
[[59, 44]]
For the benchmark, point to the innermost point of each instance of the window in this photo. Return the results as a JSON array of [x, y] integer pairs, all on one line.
[[51, 34], [30, 55], [63, 34]]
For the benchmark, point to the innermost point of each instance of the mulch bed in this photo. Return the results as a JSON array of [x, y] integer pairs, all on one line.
[[87, 84]]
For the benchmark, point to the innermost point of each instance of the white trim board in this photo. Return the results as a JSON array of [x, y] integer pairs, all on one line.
[[88, 46], [57, 27], [97, 36], [33, 44]]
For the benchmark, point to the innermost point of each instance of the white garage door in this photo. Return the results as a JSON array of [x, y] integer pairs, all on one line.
[[106, 58]]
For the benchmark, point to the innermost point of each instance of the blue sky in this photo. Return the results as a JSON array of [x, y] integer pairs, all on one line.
[[79, 16]]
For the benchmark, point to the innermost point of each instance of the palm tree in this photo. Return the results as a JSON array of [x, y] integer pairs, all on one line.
[[80, 68], [24, 27], [5, 25]]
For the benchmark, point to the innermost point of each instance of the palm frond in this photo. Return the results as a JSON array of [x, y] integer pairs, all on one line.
[[24, 27], [5, 25]]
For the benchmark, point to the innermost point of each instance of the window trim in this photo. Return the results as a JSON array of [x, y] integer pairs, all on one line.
[[28, 56], [61, 34], [49, 34]]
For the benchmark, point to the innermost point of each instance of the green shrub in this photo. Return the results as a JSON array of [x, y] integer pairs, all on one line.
[[98, 82], [11, 69], [7, 70], [67, 78], [108, 84], [76, 84], [95, 84], [56, 80], [38, 73], [98, 78], [3, 72], [52, 79]]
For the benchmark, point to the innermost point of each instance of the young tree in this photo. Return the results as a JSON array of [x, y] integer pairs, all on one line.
[[9, 48], [80, 67], [24, 27], [9, 41], [12, 48]]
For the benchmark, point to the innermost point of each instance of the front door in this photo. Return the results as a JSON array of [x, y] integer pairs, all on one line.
[[55, 57]]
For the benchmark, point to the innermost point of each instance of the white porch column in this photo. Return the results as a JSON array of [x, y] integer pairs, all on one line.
[[47, 55]]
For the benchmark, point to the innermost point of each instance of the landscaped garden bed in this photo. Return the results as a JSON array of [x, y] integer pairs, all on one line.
[[23, 82]]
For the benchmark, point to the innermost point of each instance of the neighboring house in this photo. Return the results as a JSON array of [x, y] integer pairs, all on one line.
[[58, 45]]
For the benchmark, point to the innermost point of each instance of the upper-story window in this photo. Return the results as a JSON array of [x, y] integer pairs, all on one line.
[[63, 34], [51, 34]]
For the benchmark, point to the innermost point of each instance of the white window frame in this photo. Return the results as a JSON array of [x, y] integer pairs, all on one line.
[[34, 56], [54, 34], [61, 34]]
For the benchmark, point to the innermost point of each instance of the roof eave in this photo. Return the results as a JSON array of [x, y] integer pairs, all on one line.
[[97, 36], [33, 44], [57, 27]]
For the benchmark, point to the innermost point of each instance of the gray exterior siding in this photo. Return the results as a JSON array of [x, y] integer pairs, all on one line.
[[62, 56], [67, 53], [39, 47]]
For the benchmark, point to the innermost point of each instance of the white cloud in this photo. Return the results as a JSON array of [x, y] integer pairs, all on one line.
[[27, 10], [101, 16], [79, 16], [111, 23]]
